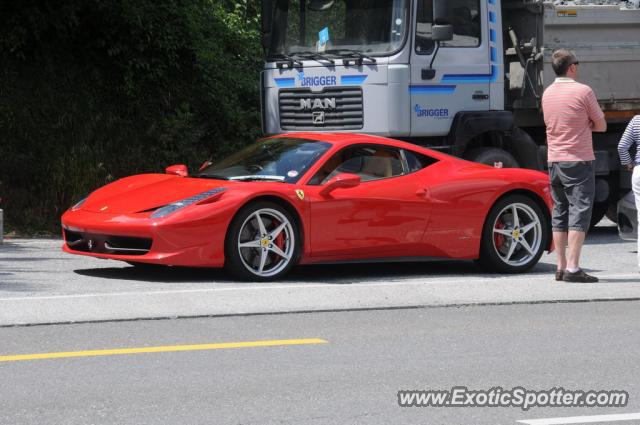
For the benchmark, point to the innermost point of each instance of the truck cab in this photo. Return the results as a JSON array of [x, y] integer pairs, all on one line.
[[374, 66]]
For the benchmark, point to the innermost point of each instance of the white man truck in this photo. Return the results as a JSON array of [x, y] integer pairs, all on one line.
[[461, 76]]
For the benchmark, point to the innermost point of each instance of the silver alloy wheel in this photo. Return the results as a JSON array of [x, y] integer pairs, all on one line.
[[266, 242], [517, 234]]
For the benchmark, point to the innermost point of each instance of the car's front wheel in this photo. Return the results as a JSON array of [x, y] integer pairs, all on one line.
[[262, 243], [515, 234]]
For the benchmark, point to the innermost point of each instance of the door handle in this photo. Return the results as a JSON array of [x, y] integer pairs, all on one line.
[[423, 192]]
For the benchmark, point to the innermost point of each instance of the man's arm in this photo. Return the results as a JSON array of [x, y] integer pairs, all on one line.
[[598, 122]]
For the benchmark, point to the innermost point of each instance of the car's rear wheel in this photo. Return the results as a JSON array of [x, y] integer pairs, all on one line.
[[262, 243], [515, 234]]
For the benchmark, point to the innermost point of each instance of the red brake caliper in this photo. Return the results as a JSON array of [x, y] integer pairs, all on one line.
[[280, 240], [499, 239]]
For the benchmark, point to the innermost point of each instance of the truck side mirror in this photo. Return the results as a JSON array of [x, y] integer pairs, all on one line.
[[267, 23], [442, 33], [320, 5], [439, 33]]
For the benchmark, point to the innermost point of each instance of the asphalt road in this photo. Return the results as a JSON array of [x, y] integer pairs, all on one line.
[[40, 284], [353, 378]]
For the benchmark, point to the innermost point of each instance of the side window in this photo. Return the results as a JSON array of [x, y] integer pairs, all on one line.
[[465, 18], [417, 161], [424, 20], [463, 15], [367, 161]]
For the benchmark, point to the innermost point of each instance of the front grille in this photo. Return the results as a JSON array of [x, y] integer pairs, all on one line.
[[107, 244], [334, 108]]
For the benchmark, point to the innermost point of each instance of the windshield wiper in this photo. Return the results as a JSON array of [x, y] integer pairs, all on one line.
[[290, 61], [346, 54], [212, 176], [314, 56], [257, 177]]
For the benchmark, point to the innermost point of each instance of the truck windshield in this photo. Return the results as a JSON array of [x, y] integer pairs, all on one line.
[[304, 28]]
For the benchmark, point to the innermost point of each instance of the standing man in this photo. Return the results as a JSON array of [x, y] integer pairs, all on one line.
[[571, 113]]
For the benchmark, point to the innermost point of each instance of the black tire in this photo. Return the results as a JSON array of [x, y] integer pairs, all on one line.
[[490, 156], [612, 213], [496, 247], [598, 213], [262, 259]]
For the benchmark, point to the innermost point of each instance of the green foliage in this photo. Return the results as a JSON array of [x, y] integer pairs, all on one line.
[[94, 90]]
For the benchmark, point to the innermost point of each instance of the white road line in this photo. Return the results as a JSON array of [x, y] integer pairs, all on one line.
[[583, 419]]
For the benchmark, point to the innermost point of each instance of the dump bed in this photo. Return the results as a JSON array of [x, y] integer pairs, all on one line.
[[606, 39]]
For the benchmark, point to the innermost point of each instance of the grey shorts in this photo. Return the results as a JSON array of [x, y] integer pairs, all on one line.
[[573, 188]]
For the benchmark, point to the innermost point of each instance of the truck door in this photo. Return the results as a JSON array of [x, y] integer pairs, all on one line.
[[463, 65]]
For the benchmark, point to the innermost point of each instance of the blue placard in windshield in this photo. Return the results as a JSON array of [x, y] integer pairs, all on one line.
[[323, 37]]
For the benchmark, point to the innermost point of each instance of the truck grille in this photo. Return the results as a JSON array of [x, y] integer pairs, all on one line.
[[334, 108]]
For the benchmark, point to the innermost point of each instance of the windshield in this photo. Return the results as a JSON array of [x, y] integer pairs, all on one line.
[[307, 27], [281, 159]]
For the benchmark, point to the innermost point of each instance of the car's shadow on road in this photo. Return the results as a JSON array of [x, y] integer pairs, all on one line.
[[160, 274]]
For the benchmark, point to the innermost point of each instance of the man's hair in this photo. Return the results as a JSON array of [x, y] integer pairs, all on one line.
[[561, 60]]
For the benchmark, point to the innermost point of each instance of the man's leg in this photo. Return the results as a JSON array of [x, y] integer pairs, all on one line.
[[559, 218], [576, 240], [580, 179], [560, 242]]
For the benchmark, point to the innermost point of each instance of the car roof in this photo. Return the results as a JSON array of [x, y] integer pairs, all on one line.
[[345, 139]]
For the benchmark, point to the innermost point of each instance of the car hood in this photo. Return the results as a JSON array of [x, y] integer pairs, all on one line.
[[146, 192]]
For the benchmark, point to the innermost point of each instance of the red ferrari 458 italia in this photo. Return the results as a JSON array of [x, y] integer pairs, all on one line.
[[307, 198]]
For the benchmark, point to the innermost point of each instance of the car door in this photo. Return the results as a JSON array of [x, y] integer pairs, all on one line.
[[384, 216]]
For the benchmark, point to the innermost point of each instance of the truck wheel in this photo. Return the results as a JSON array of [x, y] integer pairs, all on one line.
[[490, 156], [612, 213], [598, 212]]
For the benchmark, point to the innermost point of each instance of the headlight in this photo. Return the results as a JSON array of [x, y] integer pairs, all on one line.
[[175, 206]]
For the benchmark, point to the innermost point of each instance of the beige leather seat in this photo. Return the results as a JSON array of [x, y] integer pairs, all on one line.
[[377, 167]]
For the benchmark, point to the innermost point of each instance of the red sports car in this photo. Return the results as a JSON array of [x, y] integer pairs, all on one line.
[[308, 198]]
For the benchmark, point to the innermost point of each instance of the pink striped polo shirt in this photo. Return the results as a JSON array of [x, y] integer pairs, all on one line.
[[570, 109]]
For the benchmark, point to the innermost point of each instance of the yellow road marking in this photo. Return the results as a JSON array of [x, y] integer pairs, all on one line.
[[162, 349]]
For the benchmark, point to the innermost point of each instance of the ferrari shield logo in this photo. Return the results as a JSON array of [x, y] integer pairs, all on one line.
[[300, 194]]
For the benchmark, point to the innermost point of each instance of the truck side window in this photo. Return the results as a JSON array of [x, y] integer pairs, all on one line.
[[424, 20], [465, 18], [463, 15]]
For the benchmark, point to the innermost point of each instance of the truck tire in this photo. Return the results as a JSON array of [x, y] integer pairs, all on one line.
[[598, 212], [612, 213], [490, 156]]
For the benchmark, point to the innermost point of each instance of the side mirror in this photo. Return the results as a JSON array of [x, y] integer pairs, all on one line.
[[267, 23], [439, 33], [341, 181], [442, 33], [180, 170], [205, 165], [320, 5]]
